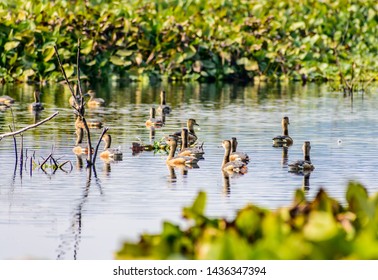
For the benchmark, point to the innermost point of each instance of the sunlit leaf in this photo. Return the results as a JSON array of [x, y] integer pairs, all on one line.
[[48, 53], [11, 45]]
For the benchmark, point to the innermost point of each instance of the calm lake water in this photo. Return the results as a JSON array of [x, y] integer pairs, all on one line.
[[62, 216]]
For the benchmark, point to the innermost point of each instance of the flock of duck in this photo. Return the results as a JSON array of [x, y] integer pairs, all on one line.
[[183, 147]]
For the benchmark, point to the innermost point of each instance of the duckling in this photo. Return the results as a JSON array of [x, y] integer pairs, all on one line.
[[236, 166], [79, 149], [178, 160], [36, 105], [192, 137], [94, 101], [163, 109], [110, 153], [305, 165], [285, 139], [6, 100], [237, 155], [152, 121], [197, 152]]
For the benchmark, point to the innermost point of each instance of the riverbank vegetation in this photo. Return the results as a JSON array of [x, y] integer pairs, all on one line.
[[191, 40], [323, 228]]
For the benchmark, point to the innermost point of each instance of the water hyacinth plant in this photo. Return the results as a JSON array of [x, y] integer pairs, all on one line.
[[191, 40], [319, 229]]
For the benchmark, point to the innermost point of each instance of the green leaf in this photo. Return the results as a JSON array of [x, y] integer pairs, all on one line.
[[321, 226], [48, 53], [198, 207], [86, 46], [11, 45], [124, 53], [116, 60]]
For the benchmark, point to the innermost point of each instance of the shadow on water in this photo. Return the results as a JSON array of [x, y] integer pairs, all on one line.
[[71, 240]]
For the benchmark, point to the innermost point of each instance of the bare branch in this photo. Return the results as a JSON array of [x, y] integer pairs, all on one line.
[[64, 72], [98, 143], [28, 127]]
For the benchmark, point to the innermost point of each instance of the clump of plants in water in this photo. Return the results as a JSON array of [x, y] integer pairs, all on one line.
[[192, 40], [323, 228]]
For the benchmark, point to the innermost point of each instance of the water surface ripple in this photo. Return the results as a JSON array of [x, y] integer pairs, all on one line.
[[62, 216]]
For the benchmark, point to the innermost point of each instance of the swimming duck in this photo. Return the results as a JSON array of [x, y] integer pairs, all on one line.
[[237, 155], [110, 153], [91, 123], [93, 100], [305, 165], [80, 149], [163, 109], [197, 152], [178, 160], [236, 166], [192, 137], [285, 139], [76, 99], [36, 105], [152, 121], [6, 100]]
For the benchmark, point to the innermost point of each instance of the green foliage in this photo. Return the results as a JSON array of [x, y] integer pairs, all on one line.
[[319, 229], [191, 40]]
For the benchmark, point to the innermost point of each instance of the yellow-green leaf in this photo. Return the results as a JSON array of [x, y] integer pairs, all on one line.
[[11, 45]]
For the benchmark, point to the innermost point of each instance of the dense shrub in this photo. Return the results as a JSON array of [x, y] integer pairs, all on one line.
[[194, 39], [319, 229]]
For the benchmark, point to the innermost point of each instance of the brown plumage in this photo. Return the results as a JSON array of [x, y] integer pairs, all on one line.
[[93, 100], [178, 160], [232, 166], [305, 165], [153, 121], [163, 109], [6, 100], [36, 105], [285, 139], [110, 153], [237, 155], [80, 149], [192, 137], [197, 152]]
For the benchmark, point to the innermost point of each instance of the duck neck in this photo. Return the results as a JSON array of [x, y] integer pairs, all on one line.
[[162, 98], [226, 157], [285, 129], [191, 128], [184, 139], [152, 113], [79, 133], [36, 96], [172, 151], [108, 141], [307, 155], [234, 144]]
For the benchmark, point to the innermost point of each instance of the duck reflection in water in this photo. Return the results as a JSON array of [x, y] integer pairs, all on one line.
[[184, 170], [285, 156], [226, 183], [306, 181], [152, 134], [79, 161]]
